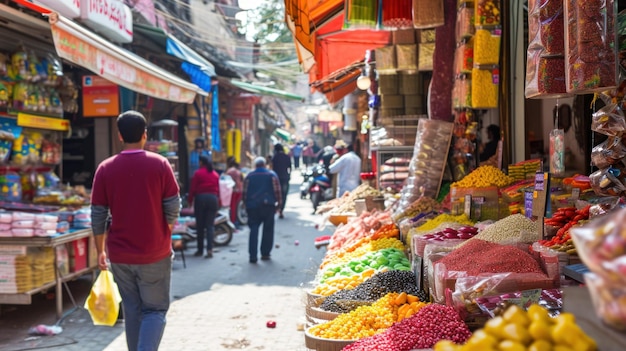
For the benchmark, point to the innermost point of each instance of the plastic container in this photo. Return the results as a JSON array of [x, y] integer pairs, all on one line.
[[487, 47], [485, 84], [465, 21], [486, 12], [609, 300], [464, 57]]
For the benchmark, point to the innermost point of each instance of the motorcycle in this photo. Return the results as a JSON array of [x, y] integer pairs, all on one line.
[[317, 186]]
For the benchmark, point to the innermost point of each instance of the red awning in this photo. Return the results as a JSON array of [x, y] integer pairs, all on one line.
[[336, 49], [339, 84]]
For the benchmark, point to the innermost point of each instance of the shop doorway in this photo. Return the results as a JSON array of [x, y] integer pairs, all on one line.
[[79, 154]]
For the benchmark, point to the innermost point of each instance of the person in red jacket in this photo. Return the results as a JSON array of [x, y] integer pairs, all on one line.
[[205, 194], [139, 191]]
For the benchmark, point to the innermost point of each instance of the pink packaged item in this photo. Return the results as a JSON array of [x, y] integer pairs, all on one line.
[[46, 218], [6, 234], [42, 232], [23, 232], [23, 216], [5, 227], [6, 217], [23, 224], [46, 225]]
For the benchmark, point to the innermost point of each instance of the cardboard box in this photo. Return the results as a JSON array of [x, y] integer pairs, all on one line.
[[407, 57], [78, 254], [404, 36]]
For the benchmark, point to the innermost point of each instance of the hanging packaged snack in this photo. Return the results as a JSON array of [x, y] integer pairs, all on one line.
[[428, 13], [546, 26], [590, 45], [464, 57], [545, 76], [608, 153], [487, 12], [10, 186], [485, 83], [50, 152], [557, 152], [361, 14], [397, 14], [605, 182], [465, 21], [487, 47], [609, 120]]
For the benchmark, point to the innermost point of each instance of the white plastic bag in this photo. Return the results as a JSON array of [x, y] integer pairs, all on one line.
[[226, 189]]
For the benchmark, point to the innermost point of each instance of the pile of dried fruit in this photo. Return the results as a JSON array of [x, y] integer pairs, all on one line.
[[534, 330]]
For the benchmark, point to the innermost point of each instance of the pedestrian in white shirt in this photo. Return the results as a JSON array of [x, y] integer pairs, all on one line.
[[348, 169]]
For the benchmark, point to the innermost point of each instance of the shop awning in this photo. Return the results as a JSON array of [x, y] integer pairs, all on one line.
[[307, 16], [339, 84], [117, 64], [199, 69], [336, 49], [283, 134], [261, 90]]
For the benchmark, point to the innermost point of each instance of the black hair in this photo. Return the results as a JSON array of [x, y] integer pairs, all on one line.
[[131, 125], [206, 163], [198, 140], [350, 147], [231, 162], [494, 130], [279, 148]]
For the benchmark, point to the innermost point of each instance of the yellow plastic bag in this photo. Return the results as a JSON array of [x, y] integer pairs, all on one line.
[[104, 300]]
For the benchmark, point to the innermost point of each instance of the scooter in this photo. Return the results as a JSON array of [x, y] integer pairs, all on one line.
[[319, 186], [224, 228]]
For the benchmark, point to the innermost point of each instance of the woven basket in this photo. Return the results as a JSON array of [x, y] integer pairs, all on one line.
[[318, 313], [312, 299], [320, 344]]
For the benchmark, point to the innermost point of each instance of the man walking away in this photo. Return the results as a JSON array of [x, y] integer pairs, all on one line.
[[296, 153], [281, 164], [140, 192], [261, 195]]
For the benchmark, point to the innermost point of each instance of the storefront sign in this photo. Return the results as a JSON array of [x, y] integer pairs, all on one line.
[[112, 18], [113, 67], [67, 8], [242, 107], [40, 122], [101, 98]]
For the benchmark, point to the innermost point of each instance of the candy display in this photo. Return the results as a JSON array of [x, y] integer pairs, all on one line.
[[485, 83], [546, 27], [465, 22], [487, 12], [464, 57], [487, 47], [590, 52], [545, 76]]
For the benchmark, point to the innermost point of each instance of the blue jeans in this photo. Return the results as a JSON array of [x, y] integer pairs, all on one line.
[[145, 290], [256, 216]]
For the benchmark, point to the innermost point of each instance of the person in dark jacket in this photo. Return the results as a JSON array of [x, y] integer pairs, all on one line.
[[261, 195], [281, 165], [205, 194]]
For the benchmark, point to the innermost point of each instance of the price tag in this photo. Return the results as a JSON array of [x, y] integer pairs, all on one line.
[[528, 203], [575, 193], [468, 205]]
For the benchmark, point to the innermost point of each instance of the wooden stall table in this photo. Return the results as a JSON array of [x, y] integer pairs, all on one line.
[[25, 298]]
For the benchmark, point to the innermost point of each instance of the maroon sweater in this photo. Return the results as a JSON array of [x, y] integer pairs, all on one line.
[[204, 182], [133, 186]]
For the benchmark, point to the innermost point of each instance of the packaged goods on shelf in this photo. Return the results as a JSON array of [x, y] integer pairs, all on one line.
[[426, 36], [464, 57], [590, 54], [461, 95], [465, 22], [487, 12], [386, 63], [546, 27], [487, 47], [485, 84], [428, 13], [406, 57]]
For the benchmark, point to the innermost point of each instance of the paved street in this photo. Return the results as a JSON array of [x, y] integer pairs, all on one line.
[[221, 303]]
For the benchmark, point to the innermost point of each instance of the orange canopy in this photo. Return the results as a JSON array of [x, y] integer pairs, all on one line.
[[339, 84]]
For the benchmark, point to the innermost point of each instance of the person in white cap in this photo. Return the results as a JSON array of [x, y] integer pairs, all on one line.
[[262, 197], [348, 169]]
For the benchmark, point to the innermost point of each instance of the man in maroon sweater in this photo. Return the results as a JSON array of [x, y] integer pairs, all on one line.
[[139, 191]]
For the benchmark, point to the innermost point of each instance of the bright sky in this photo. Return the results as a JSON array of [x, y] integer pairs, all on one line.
[[246, 5]]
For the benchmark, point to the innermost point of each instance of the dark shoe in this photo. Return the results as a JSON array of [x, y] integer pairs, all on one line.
[[209, 254], [197, 254], [281, 216], [253, 260], [265, 258]]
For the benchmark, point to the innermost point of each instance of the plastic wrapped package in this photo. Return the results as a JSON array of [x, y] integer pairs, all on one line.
[[428, 13], [361, 14], [464, 57], [468, 289], [545, 76], [609, 300], [485, 83], [462, 97], [605, 182], [557, 152], [609, 152], [465, 21], [487, 47], [546, 26], [425, 56], [609, 120], [386, 60], [590, 45], [397, 14], [486, 12]]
